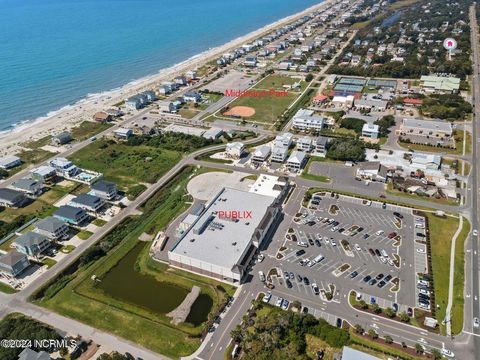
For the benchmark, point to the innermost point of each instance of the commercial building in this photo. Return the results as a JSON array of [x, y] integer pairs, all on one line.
[[8, 162], [440, 84], [307, 120], [222, 241], [13, 263], [213, 133], [431, 128], [370, 130], [373, 171], [270, 185], [426, 161]]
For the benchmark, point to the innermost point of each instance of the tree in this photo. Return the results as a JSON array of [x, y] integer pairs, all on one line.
[[353, 124], [437, 355], [363, 304], [418, 348], [376, 309], [358, 329], [389, 312], [388, 339], [404, 317], [404, 345], [308, 77], [373, 334], [346, 150]]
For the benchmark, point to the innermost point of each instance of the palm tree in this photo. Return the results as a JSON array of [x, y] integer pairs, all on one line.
[[388, 339], [373, 334]]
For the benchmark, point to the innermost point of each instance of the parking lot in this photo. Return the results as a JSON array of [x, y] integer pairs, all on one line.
[[373, 248]]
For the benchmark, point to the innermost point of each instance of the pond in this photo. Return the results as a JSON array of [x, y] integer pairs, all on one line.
[[392, 19], [124, 283]]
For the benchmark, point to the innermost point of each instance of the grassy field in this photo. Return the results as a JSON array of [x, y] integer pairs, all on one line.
[[441, 233], [84, 234], [443, 201], [87, 129], [34, 156], [81, 300], [188, 113], [126, 165], [35, 144], [7, 289], [315, 344], [37, 208], [306, 173], [268, 108]]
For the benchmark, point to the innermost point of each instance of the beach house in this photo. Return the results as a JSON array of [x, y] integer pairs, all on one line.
[[30, 187], [370, 131], [13, 263], [64, 167], [192, 96], [44, 173], [12, 198], [61, 139], [123, 133], [88, 202], [235, 150], [105, 190], [166, 106], [279, 153], [31, 244], [71, 215], [53, 228], [261, 153], [9, 162], [296, 161]]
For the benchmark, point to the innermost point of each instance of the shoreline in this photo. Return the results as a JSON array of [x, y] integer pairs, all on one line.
[[71, 115]]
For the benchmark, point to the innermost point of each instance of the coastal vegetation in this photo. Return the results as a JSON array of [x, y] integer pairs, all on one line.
[[76, 295]]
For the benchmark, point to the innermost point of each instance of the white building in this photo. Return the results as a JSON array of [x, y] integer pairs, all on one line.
[[370, 130], [222, 241], [426, 161], [284, 140], [8, 162], [343, 101], [279, 154], [296, 160], [261, 153], [235, 150], [270, 185], [305, 144], [307, 120]]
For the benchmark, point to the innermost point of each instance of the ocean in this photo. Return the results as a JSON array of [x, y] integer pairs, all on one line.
[[53, 53]]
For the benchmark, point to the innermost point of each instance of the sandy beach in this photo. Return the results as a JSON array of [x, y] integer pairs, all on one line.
[[70, 116]]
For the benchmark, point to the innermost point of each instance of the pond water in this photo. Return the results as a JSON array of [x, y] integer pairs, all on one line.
[[392, 19], [124, 283]]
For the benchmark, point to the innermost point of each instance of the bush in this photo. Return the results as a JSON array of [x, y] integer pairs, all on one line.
[[346, 150], [352, 124]]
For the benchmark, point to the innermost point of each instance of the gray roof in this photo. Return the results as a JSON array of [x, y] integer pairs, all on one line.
[[262, 151], [11, 258], [30, 238], [322, 140], [25, 184], [29, 354], [63, 137], [219, 241], [296, 157], [7, 160], [11, 195], [434, 125], [104, 186], [69, 212], [353, 354], [87, 200], [50, 224]]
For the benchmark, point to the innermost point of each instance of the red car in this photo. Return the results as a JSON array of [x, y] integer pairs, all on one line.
[[392, 235]]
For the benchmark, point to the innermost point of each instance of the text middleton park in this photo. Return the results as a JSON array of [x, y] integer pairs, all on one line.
[[255, 93]]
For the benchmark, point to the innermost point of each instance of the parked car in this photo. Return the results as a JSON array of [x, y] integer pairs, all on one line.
[[299, 278], [260, 258], [353, 274], [267, 297], [372, 282], [279, 302], [289, 283], [317, 243], [339, 323], [410, 312], [377, 252], [392, 235], [397, 214], [300, 252], [367, 278], [285, 304], [419, 234], [315, 289], [388, 278], [379, 277], [306, 281], [381, 284], [371, 252], [357, 247], [366, 236]]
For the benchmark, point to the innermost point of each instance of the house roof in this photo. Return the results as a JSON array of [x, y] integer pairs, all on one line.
[[87, 200], [262, 151], [349, 353], [370, 128], [63, 137], [30, 238], [50, 224], [435, 125], [440, 83], [103, 186], [43, 170], [11, 258], [25, 184], [29, 354], [69, 212], [297, 157], [412, 101], [322, 140], [10, 195], [7, 160]]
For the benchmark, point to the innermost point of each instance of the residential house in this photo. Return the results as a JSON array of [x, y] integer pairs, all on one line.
[[250, 61], [123, 133], [9, 162], [373, 171], [28, 186], [31, 244], [53, 228], [64, 167], [370, 131], [285, 140], [181, 80], [279, 153], [307, 120], [134, 103], [164, 90], [305, 144], [235, 150], [45, 174], [61, 139], [296, 161], [29, 354], [88, 202], [261, 153], [13, 263], [321, 145], [191, 75], [150, 95], [192, 96], [102, 116], [166, 106], [105, 190], [71, 214], [12, 198]]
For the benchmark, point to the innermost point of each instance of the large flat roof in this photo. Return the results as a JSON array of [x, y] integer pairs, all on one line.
[[221, 241], [437, 125]]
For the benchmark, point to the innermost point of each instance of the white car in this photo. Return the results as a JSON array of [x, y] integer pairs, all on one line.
[[420, 226], [333, 242], [390, 262], [383, 260], [279, 302], [285, 304], [379, 232], [424, 292], [327, 240], [357, 247], [447, 353], [421, 251], [267, 297], [476, 322], [335, 228], [260, 258], [475, 232], [315, 289]]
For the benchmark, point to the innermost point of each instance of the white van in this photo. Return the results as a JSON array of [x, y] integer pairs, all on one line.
[[261, 275], [235, 351]]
